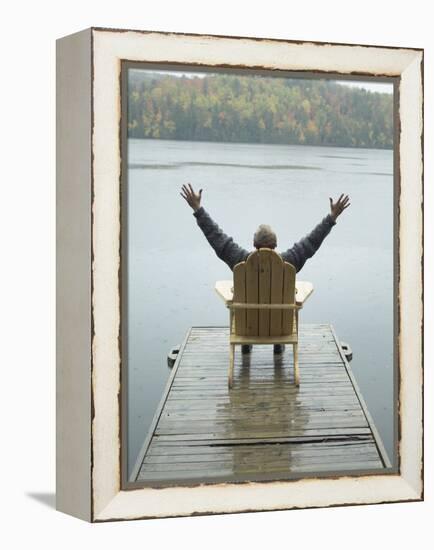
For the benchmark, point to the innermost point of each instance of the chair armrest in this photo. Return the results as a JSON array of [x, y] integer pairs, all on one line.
[[304, 290], [238, 305], [225, 290]]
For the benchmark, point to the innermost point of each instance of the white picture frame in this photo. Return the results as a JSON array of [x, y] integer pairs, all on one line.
[[89, 164]]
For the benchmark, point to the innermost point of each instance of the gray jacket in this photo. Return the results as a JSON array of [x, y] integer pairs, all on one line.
[[231, 253]]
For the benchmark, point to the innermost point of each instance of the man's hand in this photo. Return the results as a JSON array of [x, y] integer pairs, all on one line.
[[336, 208], [191, 197]]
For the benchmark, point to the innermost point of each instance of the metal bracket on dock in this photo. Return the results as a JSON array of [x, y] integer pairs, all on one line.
[[172, 355], [348, 352]]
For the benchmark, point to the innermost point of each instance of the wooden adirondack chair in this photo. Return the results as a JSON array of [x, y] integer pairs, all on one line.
[[264, 309]]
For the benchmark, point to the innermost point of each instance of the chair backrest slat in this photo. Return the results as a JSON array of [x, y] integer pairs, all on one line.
[[240, 296], [288, 298], [276, 294], [252, 294], [264, 278]]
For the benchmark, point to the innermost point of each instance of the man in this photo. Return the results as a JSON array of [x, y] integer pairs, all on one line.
[[231, 253]]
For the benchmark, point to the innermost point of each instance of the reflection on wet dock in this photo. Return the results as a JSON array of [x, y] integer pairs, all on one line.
[[264, 427]]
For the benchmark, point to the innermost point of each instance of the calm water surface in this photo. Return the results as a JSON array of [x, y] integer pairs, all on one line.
[[172, 269]]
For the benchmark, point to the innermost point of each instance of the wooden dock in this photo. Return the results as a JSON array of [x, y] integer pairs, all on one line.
[[264, 427]]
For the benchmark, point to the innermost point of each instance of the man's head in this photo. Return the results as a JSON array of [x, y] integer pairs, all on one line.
[[264, 237]]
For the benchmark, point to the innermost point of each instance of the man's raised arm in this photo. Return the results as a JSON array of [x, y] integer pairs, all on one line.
[[224, 246], [306, 247]]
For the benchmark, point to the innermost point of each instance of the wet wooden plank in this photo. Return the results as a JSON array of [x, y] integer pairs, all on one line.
[[363, 435], [271, 459], [266, 436], [265, 425], [177, 477]]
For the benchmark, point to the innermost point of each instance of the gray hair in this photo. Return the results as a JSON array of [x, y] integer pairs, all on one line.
[[265, 237]]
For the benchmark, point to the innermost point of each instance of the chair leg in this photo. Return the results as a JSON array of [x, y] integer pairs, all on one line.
[[231, 365], [296, 370]]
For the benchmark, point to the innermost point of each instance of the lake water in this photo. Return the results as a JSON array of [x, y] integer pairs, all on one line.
[[172, 269]]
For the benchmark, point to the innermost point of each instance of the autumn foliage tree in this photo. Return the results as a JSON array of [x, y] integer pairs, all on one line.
[[256, 109]]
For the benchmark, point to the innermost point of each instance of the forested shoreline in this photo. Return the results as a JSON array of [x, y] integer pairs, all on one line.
[[232, 108]]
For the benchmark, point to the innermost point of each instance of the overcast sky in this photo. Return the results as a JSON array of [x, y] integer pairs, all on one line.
[[381, 87]]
